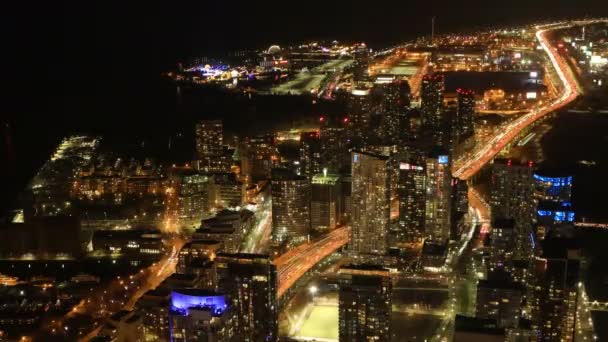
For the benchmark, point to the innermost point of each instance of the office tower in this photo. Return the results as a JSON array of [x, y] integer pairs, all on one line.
[[460, 208], [226, 190], [325, 203], [412, 201], [512, 197], [153, 307], [500, 298], [523, 332], [209, 138], [211, 154], [290, 206], [502, 240], [465, 115], [259, 155], [370, 208], [250, 280], [556, 290], [359, 108], [460, 196], [347, 196], [431, 108], [438, 196], [334, 154], [394, 102], [227, 226], [193, 195], [200, 315], [310, 154], [364, 303], [196, 258]]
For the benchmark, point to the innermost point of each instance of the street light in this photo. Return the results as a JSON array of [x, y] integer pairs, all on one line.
[[313, 290]]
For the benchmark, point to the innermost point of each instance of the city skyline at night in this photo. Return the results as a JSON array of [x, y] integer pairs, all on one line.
[[340, 173]]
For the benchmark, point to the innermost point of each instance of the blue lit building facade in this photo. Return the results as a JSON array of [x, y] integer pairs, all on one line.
[[200, 315], [553, 192], [556, 189]]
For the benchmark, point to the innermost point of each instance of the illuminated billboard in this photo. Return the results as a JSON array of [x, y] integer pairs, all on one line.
[[443, 159], [531, 95], [407, 166]]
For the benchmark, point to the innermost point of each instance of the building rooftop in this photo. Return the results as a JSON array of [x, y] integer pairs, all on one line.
[[503, 223], [325, 179], [371, 154], [477, 325]]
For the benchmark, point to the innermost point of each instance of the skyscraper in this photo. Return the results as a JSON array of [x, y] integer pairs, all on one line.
[[334, 154], [500, 298], [465, 115], [394, 102], [365, 303], [412, 201], [325, 204], [211, 156], [250, 281], [438, 196], [359, 108], [209, 137], [310, 154], [431, 94], [370, 209], [290, 206], [554, 309], [512, 197]]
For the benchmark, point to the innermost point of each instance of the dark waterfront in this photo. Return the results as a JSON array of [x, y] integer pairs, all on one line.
[[577, 143], [156, 120]]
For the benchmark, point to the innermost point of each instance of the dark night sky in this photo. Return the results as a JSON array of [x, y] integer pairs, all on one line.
[[100, 41]]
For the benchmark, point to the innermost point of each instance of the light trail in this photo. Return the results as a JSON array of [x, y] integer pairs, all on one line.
[[467, 167], [296, 262]]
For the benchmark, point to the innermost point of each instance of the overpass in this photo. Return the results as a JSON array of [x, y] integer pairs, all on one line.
[[296, 262]]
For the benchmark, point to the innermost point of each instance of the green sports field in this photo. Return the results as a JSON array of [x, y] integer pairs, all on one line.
[[322, 323]]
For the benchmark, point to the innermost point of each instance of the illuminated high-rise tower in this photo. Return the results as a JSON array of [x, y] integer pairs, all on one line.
[[325, 204], [432, 111], [438, 196], [250, 281], [359, 108], [465, 115], [310, 154], [412, 201], [290, 206], [513, 197], [211, 156], [370, 203], [365, 303]]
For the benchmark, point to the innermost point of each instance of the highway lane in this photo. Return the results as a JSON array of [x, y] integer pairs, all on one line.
[[468, 166], [296, 262]]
